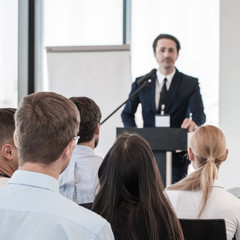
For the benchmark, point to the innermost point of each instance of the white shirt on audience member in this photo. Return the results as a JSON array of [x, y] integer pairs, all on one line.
[[220, 205], [79, 180], [31, 207]]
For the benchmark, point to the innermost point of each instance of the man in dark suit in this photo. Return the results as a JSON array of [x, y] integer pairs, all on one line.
[[172, 91]]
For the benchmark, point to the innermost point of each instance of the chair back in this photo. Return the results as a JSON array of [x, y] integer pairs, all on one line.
[[86, 205], [203, 229]]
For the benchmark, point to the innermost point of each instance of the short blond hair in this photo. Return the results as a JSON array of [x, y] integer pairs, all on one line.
[[45, 123]]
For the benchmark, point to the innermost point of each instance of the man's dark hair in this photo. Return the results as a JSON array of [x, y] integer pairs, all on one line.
[[167, 36], [7, 125], [90, 116]]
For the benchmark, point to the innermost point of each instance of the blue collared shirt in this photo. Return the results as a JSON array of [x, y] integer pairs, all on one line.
[[79, 180], [32, 208]]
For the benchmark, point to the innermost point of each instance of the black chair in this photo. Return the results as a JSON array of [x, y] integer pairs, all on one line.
[[203, 229], [86, 205]]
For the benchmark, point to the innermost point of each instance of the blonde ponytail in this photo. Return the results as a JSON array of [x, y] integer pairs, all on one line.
[[208, 174], [209, 149]]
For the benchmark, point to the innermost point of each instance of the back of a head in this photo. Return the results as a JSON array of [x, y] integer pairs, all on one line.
[[129, 169], [129, 176], [208, 143], [90, 116], [208, 146], [7, 125], [45, 123], [8, 153]]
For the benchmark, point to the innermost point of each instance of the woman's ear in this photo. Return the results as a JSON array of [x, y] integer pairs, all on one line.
[[190, 154], [226, 155]]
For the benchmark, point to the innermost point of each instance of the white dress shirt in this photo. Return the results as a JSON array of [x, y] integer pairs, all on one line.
[[220, 204], [79, 180], [160, 82], [32, 208]]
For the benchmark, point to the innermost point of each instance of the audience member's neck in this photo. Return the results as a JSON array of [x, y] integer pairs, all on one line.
[[166, 71], [50, 169], [89, 144], [5, 168]]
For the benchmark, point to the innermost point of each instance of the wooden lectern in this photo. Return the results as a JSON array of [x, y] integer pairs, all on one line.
[[162, 140]]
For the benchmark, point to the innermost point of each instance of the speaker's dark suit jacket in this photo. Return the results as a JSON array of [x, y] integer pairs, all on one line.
[[183, 98]]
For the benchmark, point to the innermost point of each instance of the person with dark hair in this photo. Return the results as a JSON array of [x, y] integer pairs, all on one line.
[[46, 127], [170, 92], [78, 182], [131, 193], [8, 154], [200, 194], [166, 36]]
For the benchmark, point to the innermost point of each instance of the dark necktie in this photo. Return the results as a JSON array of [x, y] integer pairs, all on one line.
[[163, 95]]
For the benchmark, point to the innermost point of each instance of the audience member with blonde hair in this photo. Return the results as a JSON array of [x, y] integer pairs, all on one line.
[[200, 194], [131, 194], [8, 153]]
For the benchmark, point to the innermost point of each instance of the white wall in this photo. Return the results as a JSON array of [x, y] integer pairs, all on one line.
[[196, 25], [102, 73], [229, 89]]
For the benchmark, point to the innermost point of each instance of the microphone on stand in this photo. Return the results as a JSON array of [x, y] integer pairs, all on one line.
[[143, 81], [146, 77]]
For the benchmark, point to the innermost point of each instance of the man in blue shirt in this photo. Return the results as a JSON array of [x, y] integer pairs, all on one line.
[[45, 135], [79, 180]]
